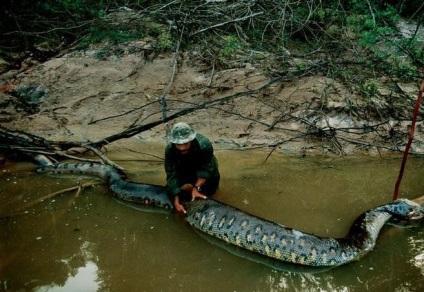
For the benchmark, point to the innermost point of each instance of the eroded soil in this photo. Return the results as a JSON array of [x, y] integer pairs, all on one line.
[[91, 94]]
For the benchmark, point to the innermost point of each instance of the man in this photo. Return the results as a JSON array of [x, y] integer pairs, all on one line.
[[189, 161]]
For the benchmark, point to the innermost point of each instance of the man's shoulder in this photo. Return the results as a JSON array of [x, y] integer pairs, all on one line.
[[203, 141], [168, 148]]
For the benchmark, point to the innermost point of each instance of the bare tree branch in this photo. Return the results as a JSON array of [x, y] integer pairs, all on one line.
[[227, 22]]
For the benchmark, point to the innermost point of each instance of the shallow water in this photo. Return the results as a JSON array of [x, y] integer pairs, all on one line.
[[91, 242]]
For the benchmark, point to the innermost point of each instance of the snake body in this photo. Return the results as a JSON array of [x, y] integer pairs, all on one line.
[[117, 183], [253, 233]]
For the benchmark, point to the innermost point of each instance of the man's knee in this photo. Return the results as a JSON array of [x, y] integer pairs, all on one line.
[[210, 187]]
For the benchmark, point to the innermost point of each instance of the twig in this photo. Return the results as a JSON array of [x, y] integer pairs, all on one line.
[[164, 6], [79, 188], [227, 22], [372, 13], [102, 156], [60, 153], [174, 70], [123, 114], [134, 70], [171, 81], [269, 154], [276, 121]]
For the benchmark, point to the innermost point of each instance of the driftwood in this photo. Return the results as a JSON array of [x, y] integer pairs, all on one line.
[[78, 189]]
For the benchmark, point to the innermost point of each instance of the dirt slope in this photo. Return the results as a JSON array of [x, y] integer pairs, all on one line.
[[91, 94]]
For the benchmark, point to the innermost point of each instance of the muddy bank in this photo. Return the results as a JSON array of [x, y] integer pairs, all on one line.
[[91, 94]]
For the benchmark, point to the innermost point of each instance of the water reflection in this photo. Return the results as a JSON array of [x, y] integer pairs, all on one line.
[[83, 279], [416, 245], [89, 242]]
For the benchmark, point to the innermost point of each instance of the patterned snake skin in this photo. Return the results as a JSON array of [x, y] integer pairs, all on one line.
[[253, 233]]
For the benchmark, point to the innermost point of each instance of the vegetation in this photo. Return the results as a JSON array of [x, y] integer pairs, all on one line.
[[359, 43], [356, 42]]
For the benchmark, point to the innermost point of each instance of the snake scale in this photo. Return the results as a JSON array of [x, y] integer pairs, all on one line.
[[253, 233]]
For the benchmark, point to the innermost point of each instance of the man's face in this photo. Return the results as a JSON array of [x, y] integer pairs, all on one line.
[[183, 148]]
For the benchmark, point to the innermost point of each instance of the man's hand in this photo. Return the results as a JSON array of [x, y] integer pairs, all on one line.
[[179, 207], [196, 194]]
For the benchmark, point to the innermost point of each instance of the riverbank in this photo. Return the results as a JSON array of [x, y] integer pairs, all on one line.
[[89, 95]]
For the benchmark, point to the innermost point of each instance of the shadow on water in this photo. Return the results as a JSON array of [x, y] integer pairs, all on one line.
[[89, 242]]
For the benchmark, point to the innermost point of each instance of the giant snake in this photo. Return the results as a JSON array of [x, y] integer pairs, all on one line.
[[253, 233]]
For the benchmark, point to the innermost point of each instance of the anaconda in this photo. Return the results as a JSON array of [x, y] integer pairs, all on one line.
[[253, 233], [117, 183]]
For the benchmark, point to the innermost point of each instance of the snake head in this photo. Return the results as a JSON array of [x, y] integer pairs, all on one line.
[[405, 211]]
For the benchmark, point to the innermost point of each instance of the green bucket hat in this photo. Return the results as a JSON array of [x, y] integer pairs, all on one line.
[[181, 133]]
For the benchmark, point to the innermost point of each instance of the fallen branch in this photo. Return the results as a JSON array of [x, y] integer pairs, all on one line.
[[103, 157], [123, 114], [138, 129], [13, 139], [78, 188]]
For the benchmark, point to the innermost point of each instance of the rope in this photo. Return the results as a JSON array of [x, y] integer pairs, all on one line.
[[408, 145]]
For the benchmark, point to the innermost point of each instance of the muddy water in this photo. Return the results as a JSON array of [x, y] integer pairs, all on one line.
[[91, 242]]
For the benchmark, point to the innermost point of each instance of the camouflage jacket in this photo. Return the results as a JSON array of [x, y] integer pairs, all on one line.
[[200, 161]]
